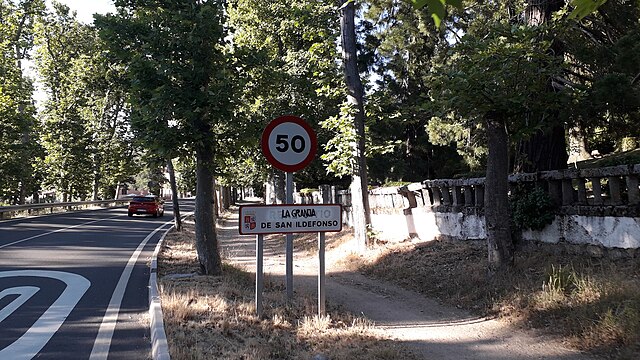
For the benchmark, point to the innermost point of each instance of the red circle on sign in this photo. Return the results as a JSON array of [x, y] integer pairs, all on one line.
[[286, 146]]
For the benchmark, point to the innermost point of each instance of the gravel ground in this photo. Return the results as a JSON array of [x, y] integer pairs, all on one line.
[[429, 329]]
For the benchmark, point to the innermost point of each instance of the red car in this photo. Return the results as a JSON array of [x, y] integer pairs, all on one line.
[[144, 205]]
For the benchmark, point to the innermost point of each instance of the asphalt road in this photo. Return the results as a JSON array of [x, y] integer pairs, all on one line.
[[75, 285]]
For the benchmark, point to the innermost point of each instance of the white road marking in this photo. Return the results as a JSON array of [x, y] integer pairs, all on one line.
[[56, 231], [25, 292], [101, 346], [39, 334]]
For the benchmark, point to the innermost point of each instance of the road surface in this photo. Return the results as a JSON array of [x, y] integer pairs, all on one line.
[[75, 285]]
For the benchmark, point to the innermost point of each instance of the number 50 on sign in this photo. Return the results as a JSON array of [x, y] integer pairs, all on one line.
[[289, 143]]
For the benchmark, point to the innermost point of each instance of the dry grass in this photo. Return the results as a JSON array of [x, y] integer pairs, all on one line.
[[213, 317], [594, 304]]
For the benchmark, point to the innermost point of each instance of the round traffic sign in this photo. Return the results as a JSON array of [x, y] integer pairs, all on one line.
[[289, 143]]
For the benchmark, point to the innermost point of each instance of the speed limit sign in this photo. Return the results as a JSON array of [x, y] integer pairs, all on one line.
[[289, 143]]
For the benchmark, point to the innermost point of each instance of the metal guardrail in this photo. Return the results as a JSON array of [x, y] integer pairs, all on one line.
[[9, 212]]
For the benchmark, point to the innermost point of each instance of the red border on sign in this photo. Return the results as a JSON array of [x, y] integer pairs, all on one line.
[[287, 232], [265, 143]]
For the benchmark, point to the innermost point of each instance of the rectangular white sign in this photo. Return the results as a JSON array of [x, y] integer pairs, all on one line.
[[282, 219]]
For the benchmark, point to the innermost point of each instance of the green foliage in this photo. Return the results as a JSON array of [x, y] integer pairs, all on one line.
[[339, 150], [307, 191], [397, 106], [287, 55], [561, 279], [395, 183], [19, 148], [437, 8], [185, 169], [624, 158], [470, 142], [531, 208], [67, 62], [583, 8], [606, 99], [497, 71], [178, 77]]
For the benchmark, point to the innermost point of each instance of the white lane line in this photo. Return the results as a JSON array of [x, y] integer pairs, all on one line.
[[39, 334], [25, 293], [101, 346], [56, 231]]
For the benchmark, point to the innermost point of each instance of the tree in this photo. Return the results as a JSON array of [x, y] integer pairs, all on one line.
[[601, 75], [546, 148], [18, 134], [286, 52], [355, 100], [63, 55], [494, 80], [403, 43], [180, 90], [498, 98]]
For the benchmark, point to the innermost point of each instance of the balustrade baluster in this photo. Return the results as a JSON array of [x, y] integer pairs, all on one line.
[[633, 193], [597, 191], [615, 190]]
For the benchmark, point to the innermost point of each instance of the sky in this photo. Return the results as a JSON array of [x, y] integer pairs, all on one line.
[[86, 8]]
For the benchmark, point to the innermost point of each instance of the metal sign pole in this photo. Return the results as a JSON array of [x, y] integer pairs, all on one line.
[[259, 273], [289, 242], [321, 277]]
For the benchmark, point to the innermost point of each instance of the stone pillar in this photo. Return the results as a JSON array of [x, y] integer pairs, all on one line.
[[597, 191], [468, 195], [325, 194], [446, 196], [437, 195], [457, 195], [479, 193], [567, 192], [633, 192], [582, 192]]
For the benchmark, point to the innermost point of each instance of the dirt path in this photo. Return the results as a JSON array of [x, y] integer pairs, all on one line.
[[431, 330]]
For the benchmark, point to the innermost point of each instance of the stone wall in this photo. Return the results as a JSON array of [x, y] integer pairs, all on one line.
[[592, 207]]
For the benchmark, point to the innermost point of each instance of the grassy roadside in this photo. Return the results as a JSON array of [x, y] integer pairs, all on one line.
[[591, 303], [212, 317]]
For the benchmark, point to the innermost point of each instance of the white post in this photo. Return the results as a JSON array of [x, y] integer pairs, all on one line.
[[321, 277], [289, 241], [259, 273]]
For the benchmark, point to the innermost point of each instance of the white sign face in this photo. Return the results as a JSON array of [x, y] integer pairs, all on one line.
[[282, 219], [289, 143]]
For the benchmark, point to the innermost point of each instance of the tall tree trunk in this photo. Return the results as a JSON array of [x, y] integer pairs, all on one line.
[[226, 197], [577, 145], [496, 207], [355, 94], [117, 191], [206, 240], [177, 221], [547, 148]]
